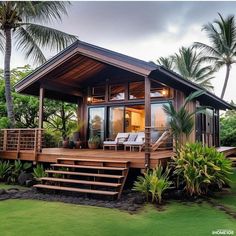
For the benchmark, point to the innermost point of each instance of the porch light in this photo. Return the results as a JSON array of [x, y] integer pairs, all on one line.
[[89, 99], [164, 92]]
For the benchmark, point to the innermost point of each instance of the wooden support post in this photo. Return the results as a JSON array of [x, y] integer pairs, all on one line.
[[41, 104], [18, 143], [147, 122], [4, 140], [36, 145]]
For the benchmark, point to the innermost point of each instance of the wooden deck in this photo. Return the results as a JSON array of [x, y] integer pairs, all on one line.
[[50, 155], [136, 159]]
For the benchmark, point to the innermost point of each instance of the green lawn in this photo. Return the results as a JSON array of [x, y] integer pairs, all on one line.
[[29, 217], [228, 199], [7, 186]]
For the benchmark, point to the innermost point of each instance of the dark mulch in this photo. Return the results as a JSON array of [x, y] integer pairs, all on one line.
[[129, 201]]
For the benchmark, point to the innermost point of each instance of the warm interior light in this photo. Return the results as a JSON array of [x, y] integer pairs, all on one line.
[[164, 92], [89, 99]]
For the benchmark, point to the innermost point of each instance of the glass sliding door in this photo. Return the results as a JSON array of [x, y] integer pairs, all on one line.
[[97, 122], [134, 118], [116, 121], [159, 119]]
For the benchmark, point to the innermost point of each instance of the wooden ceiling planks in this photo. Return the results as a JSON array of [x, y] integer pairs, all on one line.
[[76, 72]]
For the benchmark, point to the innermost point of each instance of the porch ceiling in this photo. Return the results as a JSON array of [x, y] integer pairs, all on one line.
[[67, 81]]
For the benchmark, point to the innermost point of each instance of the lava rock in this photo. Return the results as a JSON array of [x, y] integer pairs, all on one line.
[[23, 177], [29, 183], [2, 191], [139, 199]]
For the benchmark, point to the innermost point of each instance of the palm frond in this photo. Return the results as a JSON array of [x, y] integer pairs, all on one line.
[[44, 11], [47, 37], [166, 62], [2, 42], [27, 44]]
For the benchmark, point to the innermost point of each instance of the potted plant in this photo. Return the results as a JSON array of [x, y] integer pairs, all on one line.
[[76, 135], [94, 142], [65, 142]]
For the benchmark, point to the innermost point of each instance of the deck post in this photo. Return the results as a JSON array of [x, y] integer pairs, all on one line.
[[41, 104], [147, 121]]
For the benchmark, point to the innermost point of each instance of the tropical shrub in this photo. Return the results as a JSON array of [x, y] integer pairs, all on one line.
[[5, 168], [16, 169], [228, 129], [198, 168], [154, 183], [39, 172]]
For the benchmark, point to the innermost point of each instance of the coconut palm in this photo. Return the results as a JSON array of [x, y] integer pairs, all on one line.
[[188, 63], [166, 62], [181, 121], [222, 50], [21, 23]]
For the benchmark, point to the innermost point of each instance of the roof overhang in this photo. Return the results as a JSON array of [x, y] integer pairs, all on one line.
[[99, 58]]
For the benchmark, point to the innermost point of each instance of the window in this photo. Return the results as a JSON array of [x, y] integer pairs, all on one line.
[[98, 94], [116, 92], [158, 91], [136, 90]]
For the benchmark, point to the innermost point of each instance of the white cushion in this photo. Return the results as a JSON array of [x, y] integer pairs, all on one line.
[[140, 137], [109, 142]]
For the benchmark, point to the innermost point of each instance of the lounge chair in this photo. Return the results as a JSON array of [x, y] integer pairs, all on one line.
[[131, 139], [119, 140], [162, 139], [138, 142]]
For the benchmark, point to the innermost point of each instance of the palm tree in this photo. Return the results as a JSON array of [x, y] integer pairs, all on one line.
[[166, 62], [188, 63], [181, 121], [23, 23], [222, 51]]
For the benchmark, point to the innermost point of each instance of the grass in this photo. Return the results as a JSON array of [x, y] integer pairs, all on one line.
[[7, 186], [228, 199], [22, 217]]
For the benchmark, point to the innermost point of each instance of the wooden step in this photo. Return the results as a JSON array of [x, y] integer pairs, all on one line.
[[90, 167], [84, 174], [91, 160], [75, 181], [79, 190]]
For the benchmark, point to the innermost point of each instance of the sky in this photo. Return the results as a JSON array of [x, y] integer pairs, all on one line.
[[145, 30]]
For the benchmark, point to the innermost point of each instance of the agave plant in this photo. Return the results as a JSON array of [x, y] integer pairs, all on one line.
[[5, 168]]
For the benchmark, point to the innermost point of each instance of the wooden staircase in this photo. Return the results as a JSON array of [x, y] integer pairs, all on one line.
[[89, 176], [233, 159]]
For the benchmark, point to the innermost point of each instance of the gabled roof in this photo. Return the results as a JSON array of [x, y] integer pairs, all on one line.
[[121, 61]]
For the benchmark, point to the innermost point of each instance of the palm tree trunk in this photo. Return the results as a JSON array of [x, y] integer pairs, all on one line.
[[7, 78], [226, 81]]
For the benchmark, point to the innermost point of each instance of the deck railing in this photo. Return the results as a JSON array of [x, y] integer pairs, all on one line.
[[153, 133], [21, 139]]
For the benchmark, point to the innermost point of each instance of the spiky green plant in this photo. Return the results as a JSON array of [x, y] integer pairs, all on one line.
[[199, 168], [5, 168], [17, 168], [154, 182], [39, 172]]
